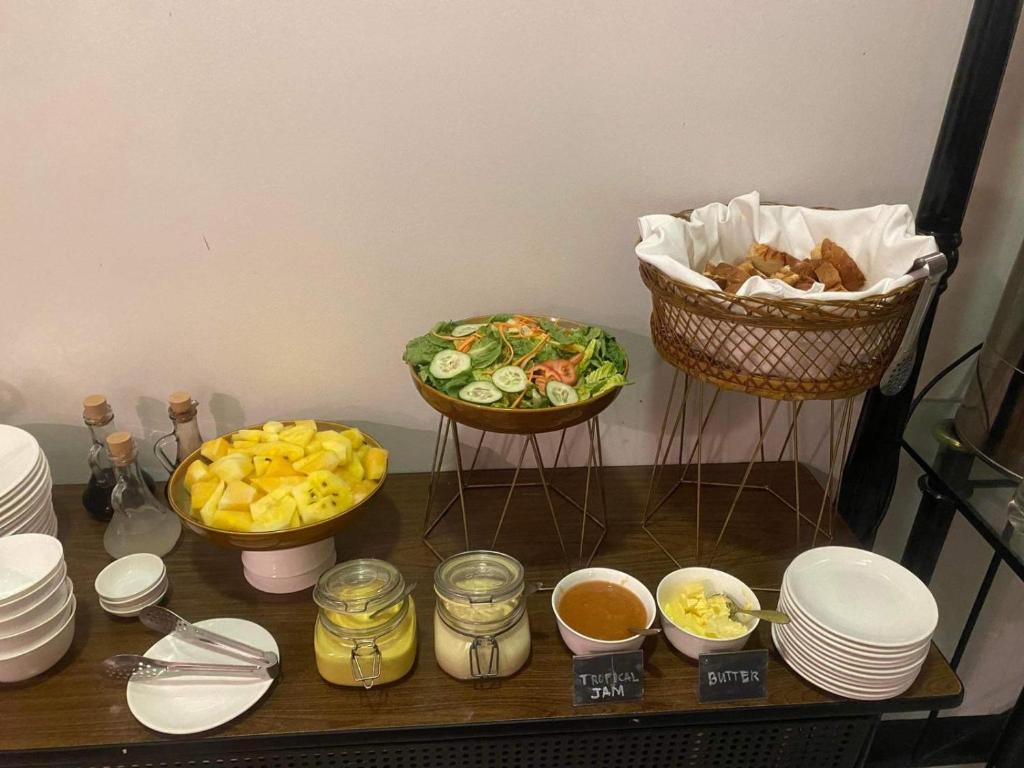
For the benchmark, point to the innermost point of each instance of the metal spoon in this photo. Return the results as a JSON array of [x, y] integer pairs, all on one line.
[[644, 632], [126, 665], [161, 619], [775, 617]]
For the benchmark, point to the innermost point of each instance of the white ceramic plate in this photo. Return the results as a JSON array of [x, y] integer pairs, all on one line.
[[26, 492], [42, 492], [33, 521], [833, 645], [192, 704], [832, 683], [841, 669], [19, 454], [861, 596]]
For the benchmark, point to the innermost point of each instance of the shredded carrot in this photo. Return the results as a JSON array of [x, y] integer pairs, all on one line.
[[532, 352], [518, 399]]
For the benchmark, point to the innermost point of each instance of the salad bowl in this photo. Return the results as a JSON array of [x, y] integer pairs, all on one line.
[[516, 421]]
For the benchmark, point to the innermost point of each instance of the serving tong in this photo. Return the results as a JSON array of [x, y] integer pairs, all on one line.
[[160, 619]]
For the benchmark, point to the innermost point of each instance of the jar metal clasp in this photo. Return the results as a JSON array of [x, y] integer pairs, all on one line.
[[366, 652], [489, 646]]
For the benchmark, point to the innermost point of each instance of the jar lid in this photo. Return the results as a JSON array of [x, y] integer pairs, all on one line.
[[359, 586], [479, 576]]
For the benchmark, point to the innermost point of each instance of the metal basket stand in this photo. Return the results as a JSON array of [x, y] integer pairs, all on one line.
[[546, 476], [693, 390]]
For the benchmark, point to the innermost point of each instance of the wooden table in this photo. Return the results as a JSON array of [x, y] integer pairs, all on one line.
[[74, 716]]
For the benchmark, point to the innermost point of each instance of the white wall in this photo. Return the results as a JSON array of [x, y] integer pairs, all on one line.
[[262, 202]]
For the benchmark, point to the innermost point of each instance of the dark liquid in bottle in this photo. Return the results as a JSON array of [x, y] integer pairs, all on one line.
[[96, 496]]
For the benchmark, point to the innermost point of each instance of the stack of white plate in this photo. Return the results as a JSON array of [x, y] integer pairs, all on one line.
[[37, 605], [131, 583], [26, 488], [861, 624]]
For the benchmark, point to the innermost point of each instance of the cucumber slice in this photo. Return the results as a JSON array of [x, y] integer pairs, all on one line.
[[465, 329], [482, 392], [511, 378], [449, 363], [561, 394]]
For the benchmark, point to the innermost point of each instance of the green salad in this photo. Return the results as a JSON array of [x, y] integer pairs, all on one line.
[[518, 361]]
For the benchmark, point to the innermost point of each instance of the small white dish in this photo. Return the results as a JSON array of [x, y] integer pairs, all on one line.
[[861, 597], [28, 562], [129, 578], [38, 611], [686, 642], [134, 608], [580, 644], [192, 704], [283, 585], [47, 627], [40, 658]]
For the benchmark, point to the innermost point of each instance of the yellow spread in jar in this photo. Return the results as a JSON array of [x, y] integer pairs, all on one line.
[[702, 614]]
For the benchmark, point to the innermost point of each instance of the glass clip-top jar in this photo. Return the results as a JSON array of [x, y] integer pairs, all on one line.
[[481, 628], [365, 631]]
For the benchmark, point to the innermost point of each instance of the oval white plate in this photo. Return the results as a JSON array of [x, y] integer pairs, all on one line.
[[861, 596], [190, 704], [19, 456]]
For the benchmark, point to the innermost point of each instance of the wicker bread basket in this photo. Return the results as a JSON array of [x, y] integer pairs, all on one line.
[[784, 349]]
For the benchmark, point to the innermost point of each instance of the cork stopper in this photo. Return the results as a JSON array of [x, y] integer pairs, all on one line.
[[180, 402], [96, 410], [122, 447]]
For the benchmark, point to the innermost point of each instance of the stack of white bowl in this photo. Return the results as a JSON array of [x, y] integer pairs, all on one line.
[[861, 624], [131, 583], [26, 488], [37, 605]]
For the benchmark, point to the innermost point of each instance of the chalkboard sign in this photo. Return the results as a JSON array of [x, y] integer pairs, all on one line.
[[607, 677], [732, 676]]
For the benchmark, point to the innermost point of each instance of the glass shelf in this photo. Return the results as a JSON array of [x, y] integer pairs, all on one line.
[[979, 491]]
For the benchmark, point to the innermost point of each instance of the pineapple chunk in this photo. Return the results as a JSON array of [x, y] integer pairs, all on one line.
[[296, 520], [260, 465], [215, 449], [210, 507], [280, 448], [328, 433], [252, 435], [245, 446], [353, 472], [362, 489], [196, 471], [323, 460], [363, 450], [201, 492], [304, 494], [273, 427], [238, 495], [314, 446], [306, 424], [233, 467], [375, 463], [325, 483], [271, 437], [279, 467], [297, 435], [232, 520], [279, 493], [341, 446], [271, 484], [355, 437]]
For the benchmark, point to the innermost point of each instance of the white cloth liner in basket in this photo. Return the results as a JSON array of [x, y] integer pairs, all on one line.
[[881, 239]]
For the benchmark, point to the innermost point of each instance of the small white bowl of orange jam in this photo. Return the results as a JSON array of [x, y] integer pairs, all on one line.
[[597, 607]]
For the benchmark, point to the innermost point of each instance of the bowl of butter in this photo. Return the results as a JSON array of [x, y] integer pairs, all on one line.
[[695, 611]]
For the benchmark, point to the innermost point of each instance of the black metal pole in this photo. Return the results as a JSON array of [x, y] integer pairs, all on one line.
[[870, 474]]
